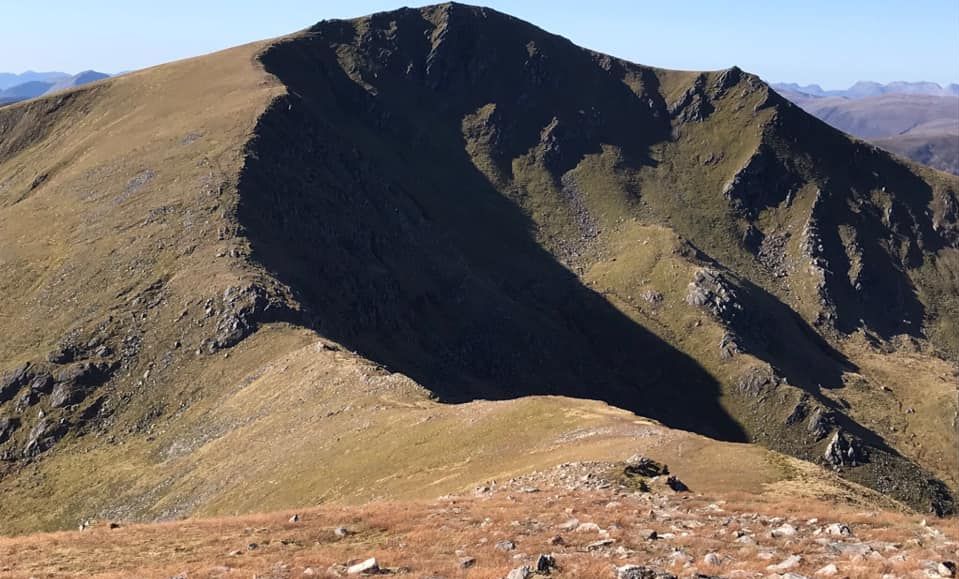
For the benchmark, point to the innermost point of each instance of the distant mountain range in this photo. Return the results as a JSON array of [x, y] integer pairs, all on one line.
[[30, 84], [918, 120], [8, 79], [863, 89]]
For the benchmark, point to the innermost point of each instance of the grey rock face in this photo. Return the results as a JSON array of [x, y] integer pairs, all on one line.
[[239, 316], [74, 382], [714, 293], [820, 423], [844, 450], [7, 427], [694, 104], [44, 435], [11, 382], [758, 381], [762, 182]]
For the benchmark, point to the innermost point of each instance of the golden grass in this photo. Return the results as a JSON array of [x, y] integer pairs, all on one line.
[[430, 537]]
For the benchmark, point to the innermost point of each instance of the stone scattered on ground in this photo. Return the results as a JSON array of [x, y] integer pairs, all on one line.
[[366, 567], [584, 521]]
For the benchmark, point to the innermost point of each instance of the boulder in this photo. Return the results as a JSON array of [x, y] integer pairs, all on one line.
[[601, 544], [44, 435], [828, 571], [787, 564], [946, 569], [523, 572], [844, 450], [713, 559], [638, 465], [676, 484], [820, 422], [545, 564], [785, 530], [839, 529], [367, 567], [65, 394]]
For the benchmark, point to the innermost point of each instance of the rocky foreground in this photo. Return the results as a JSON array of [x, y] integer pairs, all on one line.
[[632, 521]]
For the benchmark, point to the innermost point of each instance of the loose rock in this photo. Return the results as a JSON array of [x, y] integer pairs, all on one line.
[[839, 529], [523, 572], [640, 572], [789, 563], [785, 530], [545, 564], [946, 569], [828, 571], [367, 567], [712, 559]]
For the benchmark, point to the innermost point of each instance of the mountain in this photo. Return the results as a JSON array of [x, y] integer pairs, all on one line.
[[398, 256], [921, 127], [27, 90], [35, 88], [8, 79], [76, 80], [865, 89]]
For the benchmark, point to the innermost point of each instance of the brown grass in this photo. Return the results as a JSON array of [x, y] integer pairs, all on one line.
[[429, 538]]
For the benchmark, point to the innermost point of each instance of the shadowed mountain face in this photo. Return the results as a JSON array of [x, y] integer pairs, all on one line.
[[369, 206], [474, 209], [426, 190]]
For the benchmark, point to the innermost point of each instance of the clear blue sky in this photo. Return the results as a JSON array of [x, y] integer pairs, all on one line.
[[832, 42]]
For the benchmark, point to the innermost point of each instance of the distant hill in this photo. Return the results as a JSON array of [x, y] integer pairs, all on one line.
[[79, 79], [887, 115], [8, 79], [918, 120], [864, 89], [42, 83], [27, 90]]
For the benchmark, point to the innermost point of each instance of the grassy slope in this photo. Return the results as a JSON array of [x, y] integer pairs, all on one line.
[[116, 186], [140, 187], [313, 425]]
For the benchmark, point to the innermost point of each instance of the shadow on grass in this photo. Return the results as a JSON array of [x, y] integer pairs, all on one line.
[[358, 193]]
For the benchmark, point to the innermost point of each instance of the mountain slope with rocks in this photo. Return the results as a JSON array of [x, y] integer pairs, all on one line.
[[435, 246], [575, 520]]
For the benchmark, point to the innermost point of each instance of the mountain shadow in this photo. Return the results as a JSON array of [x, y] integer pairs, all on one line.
[[362, 198]]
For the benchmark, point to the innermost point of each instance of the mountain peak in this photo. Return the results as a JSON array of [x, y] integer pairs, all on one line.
[[381, 241]]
